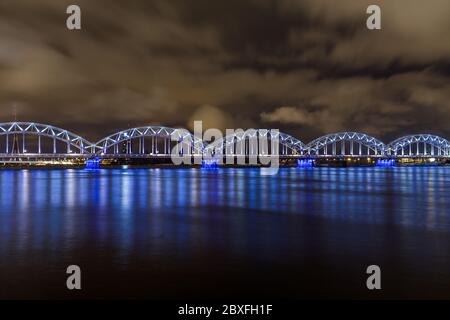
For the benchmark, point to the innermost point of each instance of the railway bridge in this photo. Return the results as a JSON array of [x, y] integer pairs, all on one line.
[[26, 142]]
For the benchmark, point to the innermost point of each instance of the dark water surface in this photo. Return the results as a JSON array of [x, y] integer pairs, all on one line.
[[190, 233]]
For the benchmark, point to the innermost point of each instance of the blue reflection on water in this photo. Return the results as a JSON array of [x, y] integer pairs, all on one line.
[[180, 211]]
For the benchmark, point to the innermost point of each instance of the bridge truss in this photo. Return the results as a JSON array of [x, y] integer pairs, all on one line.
[[150, 141], [419, 145], [346, 144], [35, 140], [254, 142], [26, 138]]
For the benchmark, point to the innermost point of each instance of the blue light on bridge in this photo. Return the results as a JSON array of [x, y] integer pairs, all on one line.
[[210, 164], [93, 163], [305, 163], [386, 163]]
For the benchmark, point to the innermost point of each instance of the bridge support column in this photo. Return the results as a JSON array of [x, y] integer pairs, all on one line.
[[153, 145], [143, 145]]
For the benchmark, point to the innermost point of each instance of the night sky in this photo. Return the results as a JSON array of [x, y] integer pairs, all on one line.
[[306, 67]]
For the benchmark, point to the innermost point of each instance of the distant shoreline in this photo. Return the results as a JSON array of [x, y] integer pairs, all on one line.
[[169, 166]]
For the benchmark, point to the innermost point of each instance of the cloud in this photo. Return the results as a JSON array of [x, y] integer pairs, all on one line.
[[289, 115], [410, 102], [211, 117], [309, 67]]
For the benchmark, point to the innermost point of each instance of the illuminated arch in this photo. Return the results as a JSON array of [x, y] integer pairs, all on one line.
[[238, 143], [45, 130], [419, 145], [365, 145], [166, 134]]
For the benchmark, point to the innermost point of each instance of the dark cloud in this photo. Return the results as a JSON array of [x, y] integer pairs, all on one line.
[[306, 67]]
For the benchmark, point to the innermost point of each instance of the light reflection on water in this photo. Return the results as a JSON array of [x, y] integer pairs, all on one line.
[[407, 196], [179, 212]]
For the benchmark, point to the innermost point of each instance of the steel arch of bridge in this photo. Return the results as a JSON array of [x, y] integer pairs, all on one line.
[[45, 130], [322, 143], [400, 145], [172, 134], [418, 145], [231, 142]]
